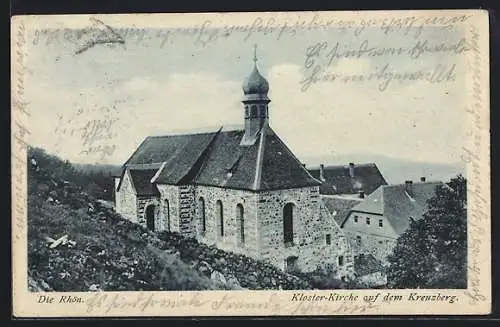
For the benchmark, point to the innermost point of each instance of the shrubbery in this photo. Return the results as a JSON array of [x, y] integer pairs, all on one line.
[[432, 253]]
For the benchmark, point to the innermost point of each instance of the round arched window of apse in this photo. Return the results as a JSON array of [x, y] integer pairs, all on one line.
[[247, 111]]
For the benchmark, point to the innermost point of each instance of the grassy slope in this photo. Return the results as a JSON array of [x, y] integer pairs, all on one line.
[[109, 252]]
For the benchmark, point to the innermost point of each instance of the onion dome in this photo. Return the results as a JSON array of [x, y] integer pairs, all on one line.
[[255, 86], [255, 83]]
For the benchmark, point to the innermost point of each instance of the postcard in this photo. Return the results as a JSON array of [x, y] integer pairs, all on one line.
[[251, 164]]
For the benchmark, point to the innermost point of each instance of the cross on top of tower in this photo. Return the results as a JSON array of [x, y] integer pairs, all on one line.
[[255, 84]]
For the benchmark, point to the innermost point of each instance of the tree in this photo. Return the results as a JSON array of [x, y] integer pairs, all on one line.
[[432, 252]]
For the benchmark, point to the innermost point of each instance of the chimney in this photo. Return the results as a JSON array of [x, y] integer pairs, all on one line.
[[361, 194], [304, 165], [322, 172], [422, 179], [409, 187], [351, 169]]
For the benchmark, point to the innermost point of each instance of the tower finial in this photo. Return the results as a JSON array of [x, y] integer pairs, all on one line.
[[255, 53]]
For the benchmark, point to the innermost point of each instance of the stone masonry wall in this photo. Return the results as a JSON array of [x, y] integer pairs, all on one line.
[[125, 199], [263, 223], [308, 228], [170, 216], [231, 241]]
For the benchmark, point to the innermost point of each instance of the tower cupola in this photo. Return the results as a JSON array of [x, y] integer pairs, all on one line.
[[255, 101]]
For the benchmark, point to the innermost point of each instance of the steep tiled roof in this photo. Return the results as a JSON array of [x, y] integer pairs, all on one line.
[[397, 205], [227, 164], [339, 207], [179, 152], [141, 178], [218, 159], [280, 168], [337, 179]]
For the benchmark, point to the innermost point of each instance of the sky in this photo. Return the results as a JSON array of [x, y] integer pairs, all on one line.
[[145, 88]]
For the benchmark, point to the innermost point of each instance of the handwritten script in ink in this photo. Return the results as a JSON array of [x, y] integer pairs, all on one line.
[[208, 33], [478, 205], [20, 134], [321, 57], [96, 135]]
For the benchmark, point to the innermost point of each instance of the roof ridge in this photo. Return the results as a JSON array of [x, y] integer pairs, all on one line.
[[197, 131], [414, 183], [367, 164], [180, 134], [260, 156], [158, 172]]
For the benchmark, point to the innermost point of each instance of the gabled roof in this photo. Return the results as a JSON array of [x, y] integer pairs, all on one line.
[[141, 178], [337, 179], [397, 205], [374, 203], [339, 207], [218, 159], [179, 152]]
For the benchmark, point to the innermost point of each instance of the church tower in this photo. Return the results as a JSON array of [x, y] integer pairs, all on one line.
[[255, 102]]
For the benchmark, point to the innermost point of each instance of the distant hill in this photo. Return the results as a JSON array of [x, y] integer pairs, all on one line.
[[95, 168], [394, 170]]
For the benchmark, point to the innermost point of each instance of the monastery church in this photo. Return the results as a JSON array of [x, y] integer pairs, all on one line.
[[241, 190]]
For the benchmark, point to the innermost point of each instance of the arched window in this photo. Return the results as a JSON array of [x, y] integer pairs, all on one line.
[[288, 224], [254, 111], [201, 213], [166, 210], [219, 211], [241, 220], [247, 111], [150, 217]]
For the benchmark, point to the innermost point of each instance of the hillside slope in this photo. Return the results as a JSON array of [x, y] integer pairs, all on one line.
[[99, 250]]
